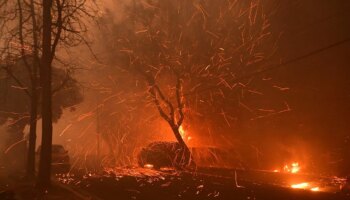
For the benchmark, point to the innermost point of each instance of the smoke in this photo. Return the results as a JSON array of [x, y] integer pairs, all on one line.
[[278, 137], [102, 80], [115, 9]]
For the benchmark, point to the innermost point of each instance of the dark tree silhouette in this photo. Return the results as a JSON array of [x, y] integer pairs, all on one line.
[[63, 26], [38, 29], [15, 104], [45, 83]]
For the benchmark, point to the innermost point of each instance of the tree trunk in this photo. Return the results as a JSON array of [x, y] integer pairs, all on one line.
[[44, 180], [32, 131], [186, 158], [31, 164]]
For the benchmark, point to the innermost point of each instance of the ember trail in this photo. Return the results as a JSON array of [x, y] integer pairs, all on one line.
[[175, 99]]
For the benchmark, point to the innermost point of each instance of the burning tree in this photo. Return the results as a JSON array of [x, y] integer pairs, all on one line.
[[192, 48]]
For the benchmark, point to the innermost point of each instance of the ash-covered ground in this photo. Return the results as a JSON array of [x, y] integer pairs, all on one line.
[[141, 183]]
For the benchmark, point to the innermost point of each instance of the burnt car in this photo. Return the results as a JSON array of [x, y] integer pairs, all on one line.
[[170, 154], [60, 162], [163, 154]]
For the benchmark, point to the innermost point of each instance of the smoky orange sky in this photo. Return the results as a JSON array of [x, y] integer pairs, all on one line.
[[317, 87]]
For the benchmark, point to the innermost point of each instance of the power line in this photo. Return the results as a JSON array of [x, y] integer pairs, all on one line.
[[317, 51], [335, 15], [277, 66]]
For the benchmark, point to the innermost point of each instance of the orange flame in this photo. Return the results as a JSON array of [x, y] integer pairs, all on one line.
[[293, 168], [184, 134]]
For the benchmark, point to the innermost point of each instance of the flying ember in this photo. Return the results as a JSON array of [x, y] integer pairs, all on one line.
[[174, 99]]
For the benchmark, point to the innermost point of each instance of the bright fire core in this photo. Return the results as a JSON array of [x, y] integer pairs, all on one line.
[[184, 134]]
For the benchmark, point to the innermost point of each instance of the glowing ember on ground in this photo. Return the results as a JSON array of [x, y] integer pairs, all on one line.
[[300, 185], [148, 166], [305, 186]]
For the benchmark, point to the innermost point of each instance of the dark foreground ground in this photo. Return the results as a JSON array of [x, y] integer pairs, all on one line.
[[218, 184]]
